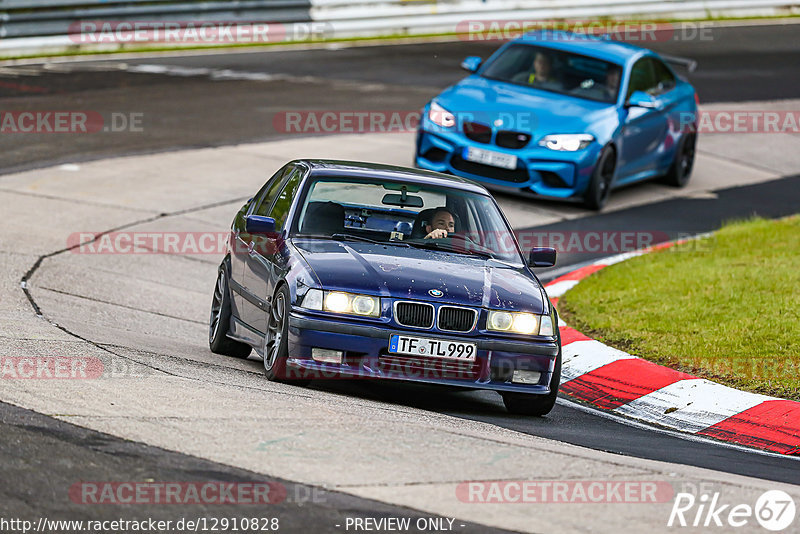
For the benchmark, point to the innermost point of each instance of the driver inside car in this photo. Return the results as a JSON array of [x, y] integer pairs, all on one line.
[[441, 224]]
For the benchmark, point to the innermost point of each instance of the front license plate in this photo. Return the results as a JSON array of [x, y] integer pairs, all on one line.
[[433, 348], [487, 157]]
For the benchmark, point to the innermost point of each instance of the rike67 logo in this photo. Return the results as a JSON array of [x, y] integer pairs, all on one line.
[[774, 510]]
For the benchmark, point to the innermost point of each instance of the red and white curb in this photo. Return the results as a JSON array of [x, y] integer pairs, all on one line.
[[620, 383]]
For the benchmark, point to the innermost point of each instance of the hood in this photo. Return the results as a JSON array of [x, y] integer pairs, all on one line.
[[399, 272], [524, 109]]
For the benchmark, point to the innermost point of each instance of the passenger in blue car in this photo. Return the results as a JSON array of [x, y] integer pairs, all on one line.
[[613, 77]]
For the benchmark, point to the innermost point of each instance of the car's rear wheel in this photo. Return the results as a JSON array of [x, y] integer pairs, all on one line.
[[276, 342], [602, 178], [535, 405], [220, 320], [681, 169]]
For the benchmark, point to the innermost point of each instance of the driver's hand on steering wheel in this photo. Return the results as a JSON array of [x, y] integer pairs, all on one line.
[[437, 234]]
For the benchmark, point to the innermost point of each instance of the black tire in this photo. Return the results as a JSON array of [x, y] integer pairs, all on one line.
[[535, 405], [220, 320], [276, 343], [681, 169], [602, 178]]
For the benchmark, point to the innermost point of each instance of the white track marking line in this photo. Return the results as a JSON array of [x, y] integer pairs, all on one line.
[[672, 433], [581, 357], [691, 405], [618, 258], [559, 288]]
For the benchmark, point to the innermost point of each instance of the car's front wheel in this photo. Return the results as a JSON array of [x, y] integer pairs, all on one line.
[[602, 178], [536, 405], [681, 169], [276, 342], [220, 320]]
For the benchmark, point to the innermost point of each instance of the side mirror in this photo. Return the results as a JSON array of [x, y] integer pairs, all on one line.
[[640, 99], [257, 224], [471, 63], [542, 257]]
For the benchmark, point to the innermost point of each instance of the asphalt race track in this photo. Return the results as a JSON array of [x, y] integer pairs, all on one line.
[[171, 410], [228, 103]]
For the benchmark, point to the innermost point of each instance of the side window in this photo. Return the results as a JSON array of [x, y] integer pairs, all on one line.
[[284, 201], [665, 80], [642, 77], [269, 192]]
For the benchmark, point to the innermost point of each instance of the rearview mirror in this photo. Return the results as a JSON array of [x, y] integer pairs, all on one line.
[[471, 63], [403, 200], [542, 257], [640, 99], [257, 224]]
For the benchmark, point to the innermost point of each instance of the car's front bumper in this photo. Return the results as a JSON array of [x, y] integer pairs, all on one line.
[[540, 171], [365, 351]]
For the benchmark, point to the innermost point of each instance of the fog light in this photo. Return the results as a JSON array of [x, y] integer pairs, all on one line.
[[525, 377], [326, 355]]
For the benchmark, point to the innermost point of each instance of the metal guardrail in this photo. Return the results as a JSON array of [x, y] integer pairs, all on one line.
[[49, 4], [28, 26], [29, 18], [375, 17]]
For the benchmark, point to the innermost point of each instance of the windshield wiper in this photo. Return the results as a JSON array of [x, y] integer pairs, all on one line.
[[433, 245], [353, 237]]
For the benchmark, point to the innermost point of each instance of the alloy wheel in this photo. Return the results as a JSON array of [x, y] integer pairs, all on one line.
[[216, 306], [274, 337]]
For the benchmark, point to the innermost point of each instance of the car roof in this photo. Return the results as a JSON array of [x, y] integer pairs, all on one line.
[[579, 43], [378, 171]]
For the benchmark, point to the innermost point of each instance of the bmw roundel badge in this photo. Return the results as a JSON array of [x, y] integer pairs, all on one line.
[[435, 293]]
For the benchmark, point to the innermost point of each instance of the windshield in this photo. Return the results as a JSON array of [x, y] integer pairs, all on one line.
[[556, 71], [406, 215]]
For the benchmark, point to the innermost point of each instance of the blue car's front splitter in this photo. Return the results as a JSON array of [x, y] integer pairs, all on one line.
[[540, 172], [365, 355]]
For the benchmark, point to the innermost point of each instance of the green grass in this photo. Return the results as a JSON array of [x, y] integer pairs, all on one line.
[[726, 308]]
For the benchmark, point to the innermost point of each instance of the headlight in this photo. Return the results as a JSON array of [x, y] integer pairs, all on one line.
[[337, 302], [440, 116], [364, 305], [520, 323], [567, 142], [341, 302]]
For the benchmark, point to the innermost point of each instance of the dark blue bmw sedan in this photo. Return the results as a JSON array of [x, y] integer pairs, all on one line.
[[339, 269]]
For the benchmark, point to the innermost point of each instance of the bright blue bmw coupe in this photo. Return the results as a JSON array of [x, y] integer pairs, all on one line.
[[564, 116], [341, 269]]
